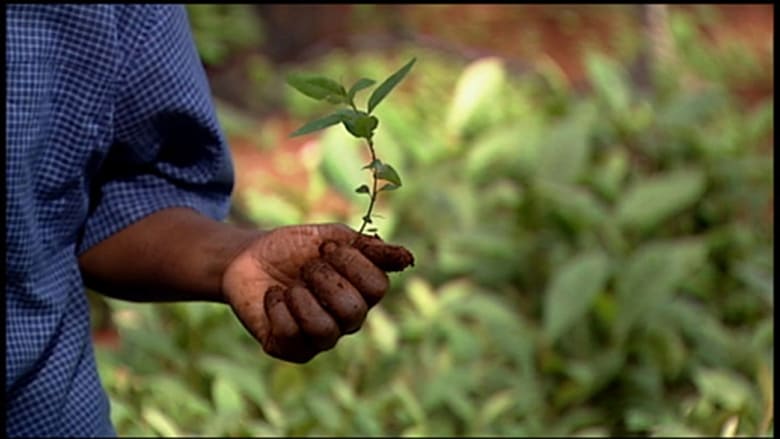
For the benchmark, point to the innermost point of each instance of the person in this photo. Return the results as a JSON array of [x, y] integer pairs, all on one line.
[[118, 179]]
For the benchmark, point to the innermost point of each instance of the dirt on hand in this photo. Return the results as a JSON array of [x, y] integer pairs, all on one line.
[[387, 257]]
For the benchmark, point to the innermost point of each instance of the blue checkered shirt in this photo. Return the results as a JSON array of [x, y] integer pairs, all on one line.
[[108, 118]]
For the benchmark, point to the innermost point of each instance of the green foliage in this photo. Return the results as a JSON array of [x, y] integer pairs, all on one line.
[[733, 63], [571, 292], [600, 220], [318, 87], [649, 202], [361, 124], [358, 123], [477, 86], [388, 85], [587, 263], [318, 124], [221, 30], [341, 161]]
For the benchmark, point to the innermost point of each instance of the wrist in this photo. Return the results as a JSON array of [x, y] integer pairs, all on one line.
[[172, 255], [230, 243]]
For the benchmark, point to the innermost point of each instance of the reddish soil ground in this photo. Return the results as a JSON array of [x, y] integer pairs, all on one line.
[[526, 32], [280, 168]]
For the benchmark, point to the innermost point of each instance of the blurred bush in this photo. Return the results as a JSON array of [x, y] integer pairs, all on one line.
[[594, 262], [223, 30]]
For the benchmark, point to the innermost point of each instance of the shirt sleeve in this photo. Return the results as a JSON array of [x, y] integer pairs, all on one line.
[[168, 148]]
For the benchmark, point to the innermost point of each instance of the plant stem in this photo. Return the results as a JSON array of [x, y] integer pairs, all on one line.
[[367, 216]]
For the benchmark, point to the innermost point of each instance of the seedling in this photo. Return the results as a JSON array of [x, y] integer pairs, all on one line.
[[360, 124]]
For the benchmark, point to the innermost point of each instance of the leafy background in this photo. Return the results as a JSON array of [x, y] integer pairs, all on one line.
[[594, 252]]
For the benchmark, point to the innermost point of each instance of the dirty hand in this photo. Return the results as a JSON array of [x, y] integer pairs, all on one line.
[[298, 289]]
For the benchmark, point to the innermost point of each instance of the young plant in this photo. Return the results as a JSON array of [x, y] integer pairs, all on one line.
[[360, 124]]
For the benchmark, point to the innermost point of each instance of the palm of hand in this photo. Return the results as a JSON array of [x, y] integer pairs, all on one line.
[[277, 257], [298, 289]]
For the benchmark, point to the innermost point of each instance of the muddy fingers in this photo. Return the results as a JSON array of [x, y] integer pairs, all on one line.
[[349, 262], [385, 256], [319, 327], [285, 339], [335, 294]]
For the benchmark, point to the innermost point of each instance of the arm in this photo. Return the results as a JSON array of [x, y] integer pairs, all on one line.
[[171, 255], [296, 289]]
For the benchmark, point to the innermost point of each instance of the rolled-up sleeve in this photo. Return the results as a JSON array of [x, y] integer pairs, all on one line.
[[167, 149]]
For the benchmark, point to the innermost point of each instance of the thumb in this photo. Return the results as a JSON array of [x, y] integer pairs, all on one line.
[[341, 234], [387, 257]]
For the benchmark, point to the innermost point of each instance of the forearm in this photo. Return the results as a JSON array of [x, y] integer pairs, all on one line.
[[172, 255]]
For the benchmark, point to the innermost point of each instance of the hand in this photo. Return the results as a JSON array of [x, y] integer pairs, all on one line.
[[298, 289]]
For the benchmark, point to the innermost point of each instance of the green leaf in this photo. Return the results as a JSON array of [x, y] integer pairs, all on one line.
[[250, 384], [383, 330], [341, 161], [318, 124], [334, 99], [363, 189], [421, 294], [174, 394], [381, 92], [324, 411], [154, 346], [760, 281], [484, 253], [667, 342], [496, 405], [586, 377], [162, 424], [227, 397], [375, 164], [575, 204], [316, 87], [389, 187], [688, 110], [476, 90], [609, 80], [503, 151], [572, 291], [712, 342], [651, 201], [361, 125], [386, 172], [565, 150], [287, 382], [409, 401], [367, 124], [359, 85], [724, 387], [609, 175], [120, 412], [653, 273]]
